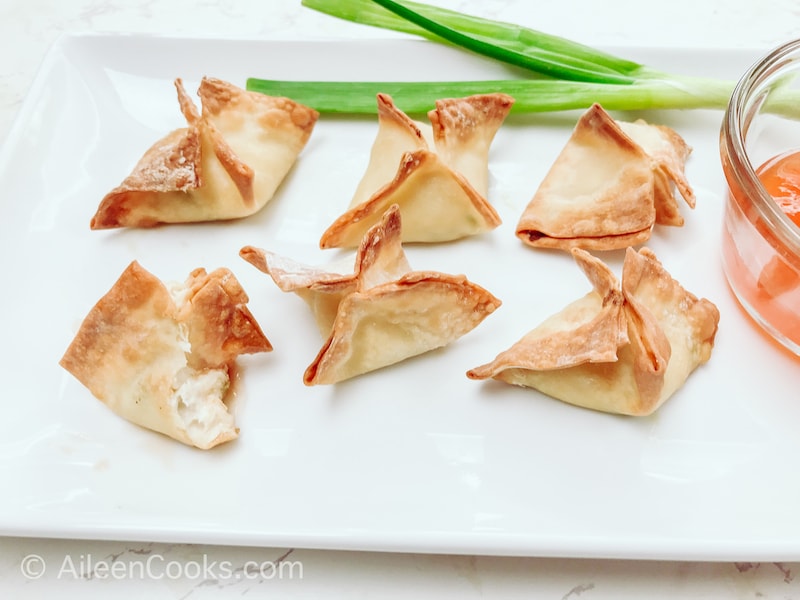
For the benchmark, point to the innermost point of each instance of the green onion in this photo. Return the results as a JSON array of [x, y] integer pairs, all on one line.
[[563, 74], [501, 42], [534, 50], [530, 95]]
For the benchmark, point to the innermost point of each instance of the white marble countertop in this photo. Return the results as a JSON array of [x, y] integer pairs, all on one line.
[[34, 568]]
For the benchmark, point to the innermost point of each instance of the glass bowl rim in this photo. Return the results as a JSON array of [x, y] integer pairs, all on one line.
[[751, 90]]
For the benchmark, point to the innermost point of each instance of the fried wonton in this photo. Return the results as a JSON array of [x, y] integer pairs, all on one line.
[[161, 357], [608, 186], [226, 164], [382, 312], [438, 173], [622, 348]]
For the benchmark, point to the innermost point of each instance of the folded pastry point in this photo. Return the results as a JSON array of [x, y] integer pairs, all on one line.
[[437, 174], [380, 258], [219, 325], [608, 186], [622, 348], [463, 131], [676, 329], [383, 312], [226, 164], [161, 357], [669, 152], [437, 204], [397, 134]]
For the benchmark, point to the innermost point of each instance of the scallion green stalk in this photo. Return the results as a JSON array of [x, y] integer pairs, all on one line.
[[533, 50], [530, 95]]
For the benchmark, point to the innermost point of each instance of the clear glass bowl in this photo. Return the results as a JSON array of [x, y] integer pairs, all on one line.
[[760, 244]]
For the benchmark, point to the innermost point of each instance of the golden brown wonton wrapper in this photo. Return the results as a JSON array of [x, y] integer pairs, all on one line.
[[609, 185], [382, 312], [437, 174], [621, 348], [160, 358], [226, 164]]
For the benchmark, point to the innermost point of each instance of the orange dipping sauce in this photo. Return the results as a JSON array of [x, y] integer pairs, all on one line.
[[765, 281], [781, 178]]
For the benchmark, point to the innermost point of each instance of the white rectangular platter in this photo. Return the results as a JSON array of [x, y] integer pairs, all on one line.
[[414, 457]]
